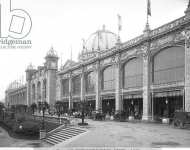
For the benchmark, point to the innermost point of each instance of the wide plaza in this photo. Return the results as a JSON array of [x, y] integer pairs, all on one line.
[[129, 134]]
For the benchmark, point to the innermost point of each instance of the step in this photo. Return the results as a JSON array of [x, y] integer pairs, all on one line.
[[55, 138], [61, 137], [51, 141], [77, 130], [71, 131], [71, 128], [66, 134]]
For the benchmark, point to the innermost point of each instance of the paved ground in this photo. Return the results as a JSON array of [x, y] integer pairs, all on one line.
[[125, 134], [114, 134]]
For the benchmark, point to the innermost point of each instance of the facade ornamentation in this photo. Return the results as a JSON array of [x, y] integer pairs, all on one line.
[[104, 84], [187, 37]]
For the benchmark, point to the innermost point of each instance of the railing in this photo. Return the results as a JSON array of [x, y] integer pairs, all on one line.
[[54, 119]]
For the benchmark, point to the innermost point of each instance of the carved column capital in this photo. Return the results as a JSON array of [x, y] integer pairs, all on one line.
[[186, 34], [96, 66], [145, 51]]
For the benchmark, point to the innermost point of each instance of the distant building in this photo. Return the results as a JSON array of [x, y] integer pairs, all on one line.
[[148, 74]]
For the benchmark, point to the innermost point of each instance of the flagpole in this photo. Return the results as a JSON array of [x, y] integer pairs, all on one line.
[[119, 26], [148, 13]]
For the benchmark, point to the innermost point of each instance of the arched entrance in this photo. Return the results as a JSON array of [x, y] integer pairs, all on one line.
[[108, 85], [132, 79], [168, 68]]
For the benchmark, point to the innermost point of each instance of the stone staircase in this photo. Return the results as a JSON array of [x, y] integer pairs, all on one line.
[[63, 135]]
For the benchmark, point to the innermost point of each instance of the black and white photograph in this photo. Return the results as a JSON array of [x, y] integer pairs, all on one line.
[[95, 74]]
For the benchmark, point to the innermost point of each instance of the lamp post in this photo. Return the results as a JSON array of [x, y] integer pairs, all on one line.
[[43, 110], [42, 131]]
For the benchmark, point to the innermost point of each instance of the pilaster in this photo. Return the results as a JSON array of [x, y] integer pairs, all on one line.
[[187, 70], [82, 85], [118, 100], [28, 93], [70, 92], [98, 86], [146, 84]]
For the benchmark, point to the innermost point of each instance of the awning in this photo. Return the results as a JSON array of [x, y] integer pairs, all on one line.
[[168, 94], [132, 96]]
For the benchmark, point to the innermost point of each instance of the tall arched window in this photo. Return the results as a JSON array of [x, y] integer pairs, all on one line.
[[109, 78], [76, 85], [33, 92], [90, 82], [39, 90], [65, 87], [133, 73], [169, 65], [44, 88]]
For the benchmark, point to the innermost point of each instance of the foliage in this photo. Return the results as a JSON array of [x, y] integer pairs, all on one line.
[[43, 105], [20, 118], [2, 106], [60, 107], [27, 127], [33, 106], [20, 108]]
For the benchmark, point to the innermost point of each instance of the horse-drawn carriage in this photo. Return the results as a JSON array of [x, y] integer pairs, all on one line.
[[181, 118]]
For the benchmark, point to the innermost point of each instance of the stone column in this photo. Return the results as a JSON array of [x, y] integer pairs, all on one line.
[[42, 96], [59, 88], [36, 92], [187, 70], [70, 92], [28, 92], [146, 85], [98, 86], [118, 100], [82, 86]]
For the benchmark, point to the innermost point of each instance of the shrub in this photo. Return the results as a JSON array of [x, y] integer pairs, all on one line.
[[20, 118], [27, 128]]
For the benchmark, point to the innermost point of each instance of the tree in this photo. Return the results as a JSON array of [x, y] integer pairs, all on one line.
[[83, 109], [58, 105], [33, 106], [1, 108]]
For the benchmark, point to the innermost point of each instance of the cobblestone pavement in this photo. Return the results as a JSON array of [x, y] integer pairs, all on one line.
[[126, 134]]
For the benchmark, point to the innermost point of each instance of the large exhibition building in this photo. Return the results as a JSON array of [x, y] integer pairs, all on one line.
[[148, 74]]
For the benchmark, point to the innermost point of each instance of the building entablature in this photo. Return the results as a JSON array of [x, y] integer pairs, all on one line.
[[170, 34], [16, 92]]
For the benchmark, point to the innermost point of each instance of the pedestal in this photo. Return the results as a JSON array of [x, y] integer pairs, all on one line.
[[42, 134]]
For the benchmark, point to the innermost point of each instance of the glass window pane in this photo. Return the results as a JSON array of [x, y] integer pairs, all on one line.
[[109, 78]]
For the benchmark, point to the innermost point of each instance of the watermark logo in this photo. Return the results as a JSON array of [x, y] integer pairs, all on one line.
[[15, 25]]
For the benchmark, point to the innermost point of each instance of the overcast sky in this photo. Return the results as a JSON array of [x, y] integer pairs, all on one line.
[[63, 23]]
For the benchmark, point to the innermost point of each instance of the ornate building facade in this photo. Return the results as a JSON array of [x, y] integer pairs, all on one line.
[[148, 74]]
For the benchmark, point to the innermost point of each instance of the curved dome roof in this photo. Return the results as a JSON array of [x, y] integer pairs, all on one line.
[[101, 40]]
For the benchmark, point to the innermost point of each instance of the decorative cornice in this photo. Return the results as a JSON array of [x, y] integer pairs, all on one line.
[[156, 33]]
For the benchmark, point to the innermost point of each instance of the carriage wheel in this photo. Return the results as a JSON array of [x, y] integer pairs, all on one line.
[[177, 123]]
